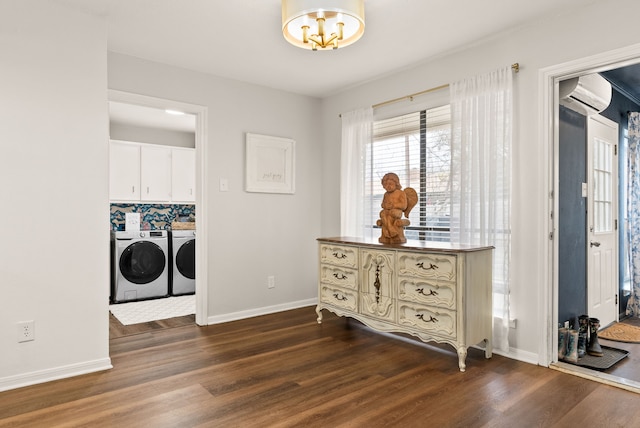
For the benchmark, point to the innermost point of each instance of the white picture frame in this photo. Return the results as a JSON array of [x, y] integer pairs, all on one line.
[[270, 164]]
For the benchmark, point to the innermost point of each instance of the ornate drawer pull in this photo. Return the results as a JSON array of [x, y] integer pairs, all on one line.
[[431, 266], [430, 293], [339, 297], [340, 276], [431, 319], [339, 255]]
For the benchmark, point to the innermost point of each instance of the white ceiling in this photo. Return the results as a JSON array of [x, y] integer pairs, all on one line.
[[130, 114], [242, 39]]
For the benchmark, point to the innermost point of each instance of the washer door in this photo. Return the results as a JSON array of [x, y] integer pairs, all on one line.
[[142, 262], [186, 259]]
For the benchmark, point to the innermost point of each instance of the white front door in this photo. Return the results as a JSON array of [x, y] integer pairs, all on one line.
[[602, 223]]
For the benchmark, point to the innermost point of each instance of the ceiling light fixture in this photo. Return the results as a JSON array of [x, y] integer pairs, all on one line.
[[313, 24]]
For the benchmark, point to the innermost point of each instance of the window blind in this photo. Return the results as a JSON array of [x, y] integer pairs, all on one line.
[[415, 146]]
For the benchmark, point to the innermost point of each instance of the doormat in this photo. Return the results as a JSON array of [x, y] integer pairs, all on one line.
[[154, 310], [621, 332], [611, 356]]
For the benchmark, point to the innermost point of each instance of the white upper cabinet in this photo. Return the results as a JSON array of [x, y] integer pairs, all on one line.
[[155, 173], [151, 173], [124, 171], [183, 175]]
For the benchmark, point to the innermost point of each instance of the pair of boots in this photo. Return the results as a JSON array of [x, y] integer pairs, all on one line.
[[591, 345]]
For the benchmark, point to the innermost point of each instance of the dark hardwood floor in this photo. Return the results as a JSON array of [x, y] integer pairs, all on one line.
[[285, 370], [117, 329]]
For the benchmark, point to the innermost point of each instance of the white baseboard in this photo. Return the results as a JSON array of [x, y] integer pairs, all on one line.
[[234, 316], [518, 354], [42, 376]]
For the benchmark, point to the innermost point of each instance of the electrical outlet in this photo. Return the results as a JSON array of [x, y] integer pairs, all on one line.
[[26, 331], [271, 281]]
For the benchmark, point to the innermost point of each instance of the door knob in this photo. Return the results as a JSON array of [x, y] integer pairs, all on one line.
[[594, 244]]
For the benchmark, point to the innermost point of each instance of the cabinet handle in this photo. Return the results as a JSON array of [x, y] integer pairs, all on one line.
[[430, 293], [339, 255], [377, 283], [431, 266], [431, 319], [133, 189], [340, 276], [147, 190]]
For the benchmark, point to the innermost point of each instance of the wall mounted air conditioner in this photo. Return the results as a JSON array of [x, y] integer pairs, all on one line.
[[587, 95]]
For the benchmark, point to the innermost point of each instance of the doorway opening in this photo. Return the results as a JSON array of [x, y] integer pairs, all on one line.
[[587, 257], [187, 137]]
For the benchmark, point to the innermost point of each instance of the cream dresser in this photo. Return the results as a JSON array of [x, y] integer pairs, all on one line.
[[435, 291]]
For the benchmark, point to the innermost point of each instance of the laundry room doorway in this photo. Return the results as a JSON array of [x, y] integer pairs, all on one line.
[[169, 136]]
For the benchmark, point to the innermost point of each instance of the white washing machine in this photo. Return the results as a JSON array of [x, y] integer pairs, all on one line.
[[140, 265], [183, 262]]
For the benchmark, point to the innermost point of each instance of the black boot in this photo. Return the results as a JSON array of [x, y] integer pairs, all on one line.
[[594, 347], [583, 333]]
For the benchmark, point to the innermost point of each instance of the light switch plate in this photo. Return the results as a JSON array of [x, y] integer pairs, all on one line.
[[224, 185]]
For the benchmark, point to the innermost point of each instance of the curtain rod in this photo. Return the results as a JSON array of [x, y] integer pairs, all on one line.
[[515, 67]]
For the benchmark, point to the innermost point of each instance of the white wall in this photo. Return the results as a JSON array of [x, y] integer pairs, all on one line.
[[250, 235], [54, 191], [591, 30]]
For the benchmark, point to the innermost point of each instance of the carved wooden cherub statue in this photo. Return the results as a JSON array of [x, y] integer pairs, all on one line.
[[394, 203]]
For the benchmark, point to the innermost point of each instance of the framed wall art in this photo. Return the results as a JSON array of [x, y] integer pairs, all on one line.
[[270, 164]]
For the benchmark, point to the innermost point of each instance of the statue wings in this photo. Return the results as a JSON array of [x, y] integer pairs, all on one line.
[[412, 200]]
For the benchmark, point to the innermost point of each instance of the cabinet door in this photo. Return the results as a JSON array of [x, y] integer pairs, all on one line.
[[155, 174], [183, 175], [124, 171], [377, 287]]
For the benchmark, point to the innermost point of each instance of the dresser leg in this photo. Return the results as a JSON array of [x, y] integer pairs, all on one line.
[[462, 356], [319, 312]]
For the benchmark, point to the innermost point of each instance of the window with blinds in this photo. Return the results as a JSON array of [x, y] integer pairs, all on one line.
[[415, 146]]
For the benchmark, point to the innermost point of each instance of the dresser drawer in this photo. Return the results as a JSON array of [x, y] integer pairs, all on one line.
[[338, 276], [339, 297], [437, 266], [339, 255], [428, 292], [429, 319]]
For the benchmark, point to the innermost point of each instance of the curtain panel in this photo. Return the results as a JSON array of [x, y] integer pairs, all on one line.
[[357, 128], [482, 118], [633, 212]]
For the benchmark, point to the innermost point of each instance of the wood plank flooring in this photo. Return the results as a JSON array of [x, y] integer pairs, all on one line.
[[117, 329], [285, 370]]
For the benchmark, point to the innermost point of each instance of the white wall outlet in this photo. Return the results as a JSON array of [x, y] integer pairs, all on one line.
[[26, 331], [271, 281]]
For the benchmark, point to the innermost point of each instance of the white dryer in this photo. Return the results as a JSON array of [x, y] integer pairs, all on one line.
[[183, 262], [140, 268]]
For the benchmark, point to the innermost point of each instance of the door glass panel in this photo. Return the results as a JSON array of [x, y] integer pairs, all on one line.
[[142, 262], [602, 185], [186, 259]]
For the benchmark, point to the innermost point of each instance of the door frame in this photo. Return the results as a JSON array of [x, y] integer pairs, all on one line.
[[548, 80], [202, 290]]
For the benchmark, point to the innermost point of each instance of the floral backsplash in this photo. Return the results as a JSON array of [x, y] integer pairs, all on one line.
[[152, 216]]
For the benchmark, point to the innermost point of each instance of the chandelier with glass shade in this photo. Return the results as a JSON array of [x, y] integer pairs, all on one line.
[[322, 24]]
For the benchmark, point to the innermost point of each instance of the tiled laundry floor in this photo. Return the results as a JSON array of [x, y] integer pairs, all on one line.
[[152, 310]]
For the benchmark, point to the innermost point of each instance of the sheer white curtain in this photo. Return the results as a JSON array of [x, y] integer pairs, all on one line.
[[356, 133], [481, 116]]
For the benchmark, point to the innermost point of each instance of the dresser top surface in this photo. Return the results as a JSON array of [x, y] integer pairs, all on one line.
[[411, 245]]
